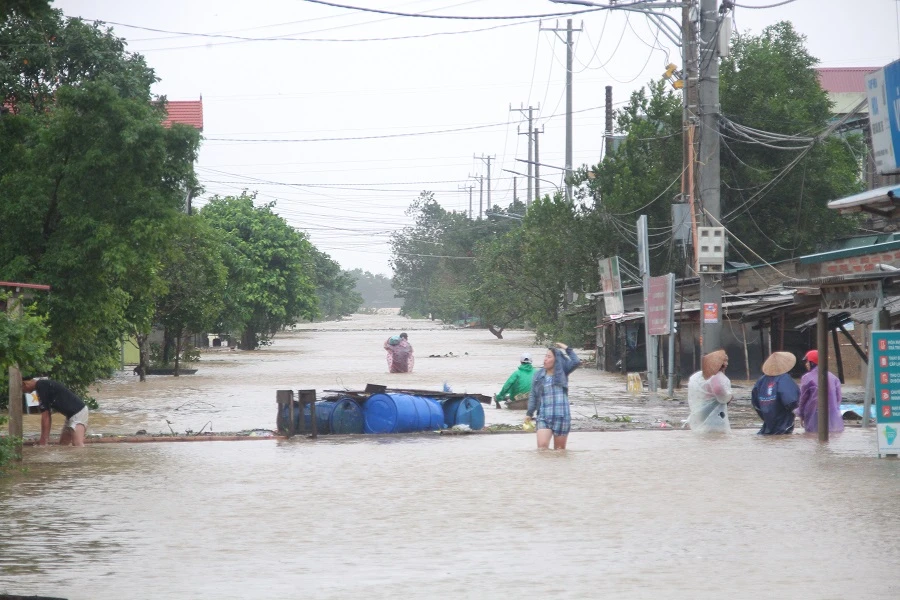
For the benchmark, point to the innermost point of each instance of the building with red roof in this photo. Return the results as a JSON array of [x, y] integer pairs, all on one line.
[[185, 112], [846, 87]]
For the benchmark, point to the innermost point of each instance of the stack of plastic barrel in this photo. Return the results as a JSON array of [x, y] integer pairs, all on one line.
[[391, 413]]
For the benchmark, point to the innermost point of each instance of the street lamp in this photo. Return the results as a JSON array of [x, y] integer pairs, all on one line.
[[558, 189]]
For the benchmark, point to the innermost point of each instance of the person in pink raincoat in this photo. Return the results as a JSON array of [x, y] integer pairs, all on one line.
[[808, 410], [400, 357]]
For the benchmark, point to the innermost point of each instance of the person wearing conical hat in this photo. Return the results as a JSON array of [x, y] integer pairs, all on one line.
[[776, 395], [808, 411], [709, 392]]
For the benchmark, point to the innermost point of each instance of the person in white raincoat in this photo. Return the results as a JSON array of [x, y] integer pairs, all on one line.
[[709, 392]]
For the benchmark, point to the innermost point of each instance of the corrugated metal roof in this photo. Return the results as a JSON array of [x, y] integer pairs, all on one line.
[[883, 195], [841, 80], [186, 112]]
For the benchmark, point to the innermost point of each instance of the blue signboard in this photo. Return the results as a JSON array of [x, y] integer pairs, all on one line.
[[883, 92], [886, 370]]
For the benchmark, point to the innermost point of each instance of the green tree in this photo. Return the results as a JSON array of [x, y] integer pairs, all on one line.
[[87, 176], [775, 200], [375, 289], [432, 259], [24, 341], [271, 272], [194, 276], [28, 8], [641, 177], [335, 289]]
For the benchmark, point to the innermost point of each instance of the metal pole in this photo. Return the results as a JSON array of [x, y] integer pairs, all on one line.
[[711, 285], [671, 389], [644, 264], [822, 347]]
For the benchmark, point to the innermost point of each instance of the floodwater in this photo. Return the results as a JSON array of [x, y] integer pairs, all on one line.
[[638, 514]]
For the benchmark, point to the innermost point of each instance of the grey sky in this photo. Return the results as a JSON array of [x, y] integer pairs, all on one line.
[[350, 194]]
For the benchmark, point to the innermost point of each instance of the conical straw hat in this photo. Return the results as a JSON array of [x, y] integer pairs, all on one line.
[[712, 362], [779, 363]]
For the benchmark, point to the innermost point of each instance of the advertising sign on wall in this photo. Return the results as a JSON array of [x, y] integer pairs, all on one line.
[[659, 311], [886, 368], [710, 312], [611, 285]]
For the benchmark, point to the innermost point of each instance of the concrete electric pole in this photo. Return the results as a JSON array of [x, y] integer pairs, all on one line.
[[530, 110], [569, 57], [470, 188], [486, 159], [708, 167]]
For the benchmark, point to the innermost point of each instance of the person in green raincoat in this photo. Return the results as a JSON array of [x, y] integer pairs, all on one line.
[[519, 383]]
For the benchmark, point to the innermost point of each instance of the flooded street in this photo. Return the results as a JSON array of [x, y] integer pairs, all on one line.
[[640, 514]]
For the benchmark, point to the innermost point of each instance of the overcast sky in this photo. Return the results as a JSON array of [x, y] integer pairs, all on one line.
[[349, 194]]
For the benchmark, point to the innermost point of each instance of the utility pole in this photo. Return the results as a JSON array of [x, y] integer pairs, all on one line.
[[530, 147], [470, 188], [607, 143], [514, 189], [537, 166], [708, 167], [480, 179], [689, 18], [569, 57], [488, 160]]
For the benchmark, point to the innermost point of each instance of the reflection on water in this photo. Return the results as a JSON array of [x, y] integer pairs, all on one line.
[[632, 515]]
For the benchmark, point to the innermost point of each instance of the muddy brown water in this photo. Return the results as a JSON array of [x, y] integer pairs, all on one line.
[[639, 514]]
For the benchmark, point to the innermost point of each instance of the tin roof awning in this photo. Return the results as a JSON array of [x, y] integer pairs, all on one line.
[[883, 201]]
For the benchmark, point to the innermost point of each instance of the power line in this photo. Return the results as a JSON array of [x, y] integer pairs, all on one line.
[[455, 17], [764, 6], [382, 136], [235, 39]]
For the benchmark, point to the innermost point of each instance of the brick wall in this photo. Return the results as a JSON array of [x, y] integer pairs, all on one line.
[[858, 264]]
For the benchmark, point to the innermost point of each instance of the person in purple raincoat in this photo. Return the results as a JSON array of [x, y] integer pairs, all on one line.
[[808, 411]]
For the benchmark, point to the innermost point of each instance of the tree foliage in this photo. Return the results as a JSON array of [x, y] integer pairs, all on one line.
[[375, 289], [87, 175], [335, 289], [194, 276], [24, 341], [533, 272], [271, 268], [432, 259], [774, 206]]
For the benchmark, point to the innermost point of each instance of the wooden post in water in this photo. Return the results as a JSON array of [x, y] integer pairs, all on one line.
[[746, 350], [308, 397], [20, 291], [286, 398], [822, 346], [14, 308]]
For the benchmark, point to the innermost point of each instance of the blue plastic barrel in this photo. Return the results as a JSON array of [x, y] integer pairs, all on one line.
[[401, 413], [346, 417], [464, 411], [437, 414], [340, 416]]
